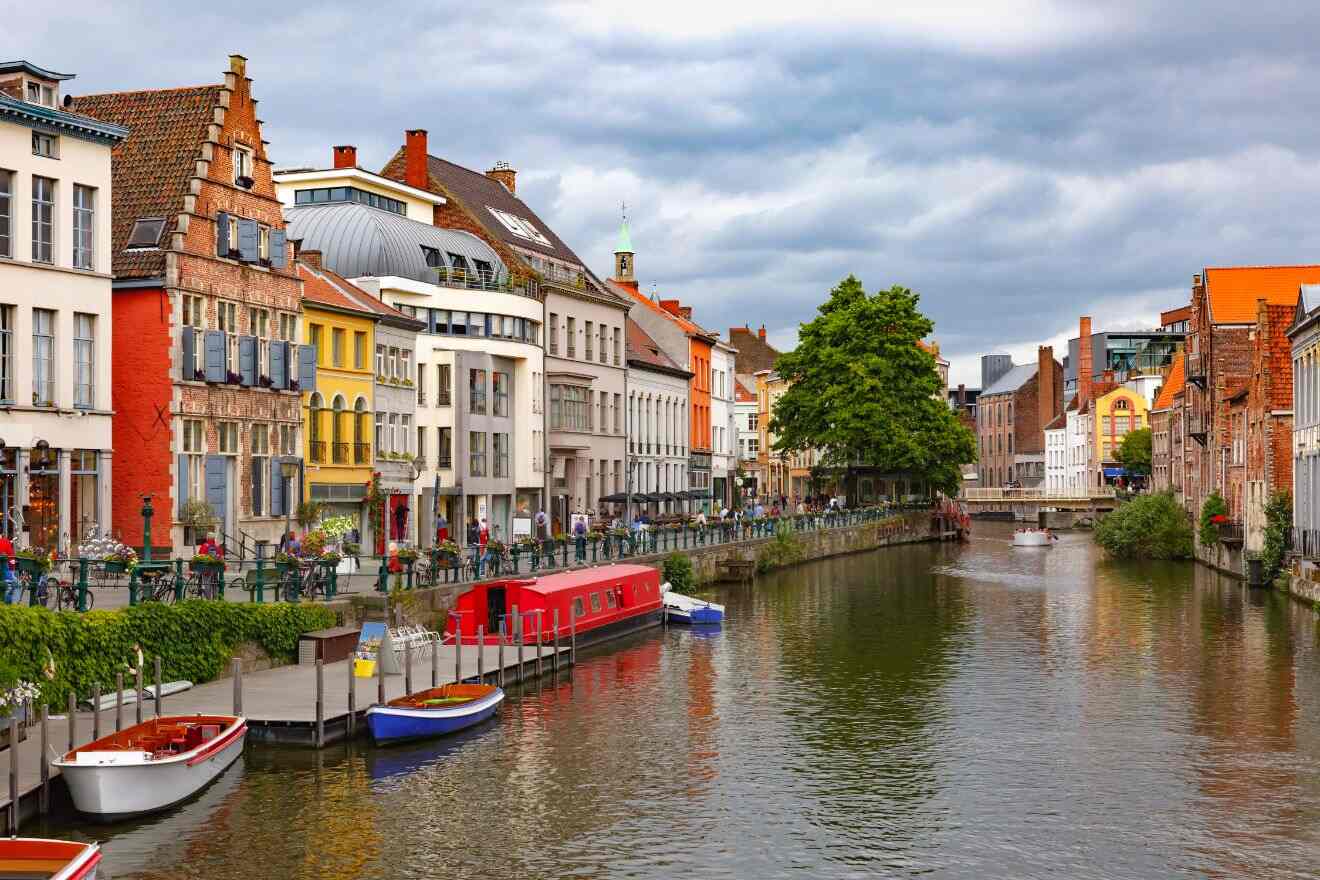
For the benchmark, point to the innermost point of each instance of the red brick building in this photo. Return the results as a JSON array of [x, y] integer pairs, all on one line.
[[206, 306], [1269, 417], [1011, 414]]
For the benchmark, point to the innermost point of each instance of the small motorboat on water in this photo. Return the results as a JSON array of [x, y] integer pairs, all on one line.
[[34, 857], [152, 765], [1033, 538], [685, 609], [435, 712]]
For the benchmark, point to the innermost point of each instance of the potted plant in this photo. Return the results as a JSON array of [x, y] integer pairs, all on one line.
[[308, 513], [284, 562], [199, 375], [232, 378], [15, 695], [313, 543], [206, 562], [293, 385], [120, 560], [197, 515], [34, 562], [407, 554]]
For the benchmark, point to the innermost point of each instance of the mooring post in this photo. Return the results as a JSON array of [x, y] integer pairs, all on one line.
[[572, 637], [407, 669], [458, 651], [500, 675], [435, 664], [352, 699], [96, 711], [137, 679], [43, 802], [380, 671], [540, 628], [320, 703], [159, 695], [73, 720], [236, 670], [13, 774], [119, 701], [481, 654], [518, 636], [554, 619]]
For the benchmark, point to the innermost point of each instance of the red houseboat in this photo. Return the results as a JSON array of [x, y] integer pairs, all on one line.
[[602, 602]]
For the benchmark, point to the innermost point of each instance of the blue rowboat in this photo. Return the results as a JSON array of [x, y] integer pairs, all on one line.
[[434, 712], [685, 609]]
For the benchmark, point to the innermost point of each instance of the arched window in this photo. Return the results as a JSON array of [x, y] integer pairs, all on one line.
[[315, 406], [360, 428], [337, 432]]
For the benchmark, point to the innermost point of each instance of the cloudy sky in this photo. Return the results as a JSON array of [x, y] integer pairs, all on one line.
[[1019, 163]]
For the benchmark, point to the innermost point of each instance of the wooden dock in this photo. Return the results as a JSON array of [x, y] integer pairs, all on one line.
[[281, 706]]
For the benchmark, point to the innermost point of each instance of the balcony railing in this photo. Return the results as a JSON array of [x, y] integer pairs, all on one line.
[[444, 399], [361, 453], [318, 452], [339, 453], [1231, 533], [444, 461]]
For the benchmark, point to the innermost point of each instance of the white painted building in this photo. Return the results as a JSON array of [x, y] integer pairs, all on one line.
[[1056, 454], [723, 425], [657, 424], [55, 330], [1077, 439], [746, 417]]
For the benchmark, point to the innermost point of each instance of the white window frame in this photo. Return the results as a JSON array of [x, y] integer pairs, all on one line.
[[226, 438], [84, 361], [44, 326], [84, 226], [226, 319], [242, 163]]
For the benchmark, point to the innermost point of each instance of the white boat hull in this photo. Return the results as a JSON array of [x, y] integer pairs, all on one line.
[[118, 790], [1032, 538]]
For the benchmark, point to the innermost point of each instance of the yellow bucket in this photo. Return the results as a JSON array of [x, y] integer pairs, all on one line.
[[364, 668]]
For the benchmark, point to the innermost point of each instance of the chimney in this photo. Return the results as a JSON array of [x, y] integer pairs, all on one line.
[[1084, 361], [238, 64], [310, 258], [761, 333], [1109, 377], [670, 306], [1047, 403], [503, 173], [685, 312], [962, 394], [346, 156], [414, 158]]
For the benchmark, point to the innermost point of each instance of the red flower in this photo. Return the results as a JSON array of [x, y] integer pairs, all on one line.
[[1219, 519]]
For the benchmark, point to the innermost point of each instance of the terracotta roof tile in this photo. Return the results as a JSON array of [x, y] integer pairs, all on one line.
[[1060, 421], [1233, 291], [320, 285], [152, 168], [689, 327], [644, 350], [754, 353], [1173, 384]]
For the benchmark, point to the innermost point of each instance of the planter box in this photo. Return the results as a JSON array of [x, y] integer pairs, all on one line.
[[116, 567], [27, 565], [206, 566]]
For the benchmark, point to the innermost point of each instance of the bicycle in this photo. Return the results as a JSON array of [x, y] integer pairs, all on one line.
[[66, 596]]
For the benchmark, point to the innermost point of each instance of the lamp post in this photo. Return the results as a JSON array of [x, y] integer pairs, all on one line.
[[288, 470], [147, 513]]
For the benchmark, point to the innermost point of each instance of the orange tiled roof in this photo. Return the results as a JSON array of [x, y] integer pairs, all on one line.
[[1172, 385], [1233, 291], [687, 326]]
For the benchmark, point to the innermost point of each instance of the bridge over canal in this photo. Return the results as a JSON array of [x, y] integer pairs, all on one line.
[[1061, 507]]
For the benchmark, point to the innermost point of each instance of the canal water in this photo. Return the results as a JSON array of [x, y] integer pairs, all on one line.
[[955, 711]]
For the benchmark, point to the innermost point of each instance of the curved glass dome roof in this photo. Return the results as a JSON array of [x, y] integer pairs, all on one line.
[[356, 240]]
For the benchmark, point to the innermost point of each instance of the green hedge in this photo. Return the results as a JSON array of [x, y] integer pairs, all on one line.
[[194, 639], [1147, 527]]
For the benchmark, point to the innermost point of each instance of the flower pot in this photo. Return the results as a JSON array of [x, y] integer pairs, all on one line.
[[198, 567], [116, 567]]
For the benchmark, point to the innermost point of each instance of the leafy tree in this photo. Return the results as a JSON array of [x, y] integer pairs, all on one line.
[[862, 391], [1213, 506], [677, 570], [1134, 452], [1148, 527], [1278, 525]]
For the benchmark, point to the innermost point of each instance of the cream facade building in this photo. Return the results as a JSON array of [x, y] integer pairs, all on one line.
[[55, 318], [723, 425]]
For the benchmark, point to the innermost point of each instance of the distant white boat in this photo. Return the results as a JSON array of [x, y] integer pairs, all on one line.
[[1033, 538], [685, 609], [168, 688]]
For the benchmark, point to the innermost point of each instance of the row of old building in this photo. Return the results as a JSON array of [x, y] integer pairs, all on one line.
[[181, 319]]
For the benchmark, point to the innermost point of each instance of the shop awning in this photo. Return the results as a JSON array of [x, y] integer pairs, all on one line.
[[1115, 472]]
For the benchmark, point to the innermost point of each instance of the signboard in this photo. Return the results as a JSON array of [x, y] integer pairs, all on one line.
[[369, 638], [522, 527]]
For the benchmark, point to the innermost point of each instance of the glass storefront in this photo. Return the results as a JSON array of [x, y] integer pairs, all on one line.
[[43, 514], [83, 510]]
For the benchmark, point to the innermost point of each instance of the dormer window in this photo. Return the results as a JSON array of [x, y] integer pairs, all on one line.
[[40, 93], [243, 167], [145, 234], [433, 258]]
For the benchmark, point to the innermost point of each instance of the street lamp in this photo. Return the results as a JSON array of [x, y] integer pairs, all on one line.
[[288, 470]]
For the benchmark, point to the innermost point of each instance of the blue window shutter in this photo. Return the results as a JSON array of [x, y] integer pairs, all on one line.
[[279, 364], [276, 488], [188, 342], [222, 234], [247, 360], [278, 241], [215, 355], [258, 491], [216, 486], [183, 482], [306, 368], [249, 236]]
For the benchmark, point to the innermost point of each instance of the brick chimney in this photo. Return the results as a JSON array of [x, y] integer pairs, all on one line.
[[503, 173], [1109, 377], [962, 394], [761, 333], [346, 156], [1047, 403], [310, 258], [685, 312], [414, 157], [1084, 361], [670, 305]]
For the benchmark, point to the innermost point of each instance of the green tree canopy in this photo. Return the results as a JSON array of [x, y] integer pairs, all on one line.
[[1134, 452], [863, 392]]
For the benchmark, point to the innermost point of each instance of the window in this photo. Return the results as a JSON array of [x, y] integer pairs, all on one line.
[[405, 433], [43, 357], [288, 439], [380, 433], [392, 433], [420, 450], [445, 448], [260, 442], [570, 347], [43, 220], [337, 346], [501, 381], [288, 329], [226, 316], [588, 341], [618, 413], [39, 93], [380, 361], [6, 214], [145, 234], [350, 194], [477, 391], [518, 226], [568, 408], [421, 384], [83, 345], [476, 453], [753, 421], [359, 350], [604, 340], [578, 608], [84, 199], [618, 345], [443, 385], [242, 167], [227, 432], [194, 449], [552, 333], [595, 603], [46, 145], [609, 594], [7, 354], [314, 339], [405, 365], [392, 364], [501, 455]]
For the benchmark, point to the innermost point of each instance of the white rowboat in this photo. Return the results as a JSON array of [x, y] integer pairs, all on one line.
[[1033, 538], [35, 857], [152, 765]]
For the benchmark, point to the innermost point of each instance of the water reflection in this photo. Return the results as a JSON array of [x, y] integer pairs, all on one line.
[[973, 711]]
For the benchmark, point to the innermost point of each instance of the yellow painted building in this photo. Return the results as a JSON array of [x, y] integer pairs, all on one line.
[[337, 415], [1116, 413]]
